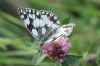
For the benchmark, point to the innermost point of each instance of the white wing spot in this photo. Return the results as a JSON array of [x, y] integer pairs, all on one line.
[[45, 19], [21, 11], [33, 16], [30, 15], [37, 13], [42, 23], [24, 12], [47, 13], [27, 22], [34, 31], [50, 23], [43, 30], [36, 22], [22, 16], [33, 10], [51, 14], [54, 26], [55, 17], [42, 12], [30, 10], [58, 22]]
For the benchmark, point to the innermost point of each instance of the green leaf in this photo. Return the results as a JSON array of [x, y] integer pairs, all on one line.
[[71, 60], [14, 61], [58, 64], [98, 55], [11, 18], [65, 20], [38, 58]]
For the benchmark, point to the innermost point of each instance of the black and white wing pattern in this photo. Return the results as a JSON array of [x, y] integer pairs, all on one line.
[[64, 30], [39, 23]]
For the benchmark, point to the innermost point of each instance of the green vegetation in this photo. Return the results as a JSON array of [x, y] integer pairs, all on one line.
[[18, 47]]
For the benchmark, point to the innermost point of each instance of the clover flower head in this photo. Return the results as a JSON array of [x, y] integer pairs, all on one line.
[[57, 49]]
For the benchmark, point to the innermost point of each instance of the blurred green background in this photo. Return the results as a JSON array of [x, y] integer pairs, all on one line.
[[17, 46]]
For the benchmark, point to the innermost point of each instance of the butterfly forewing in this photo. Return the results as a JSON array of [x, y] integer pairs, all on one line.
[[40, 23]]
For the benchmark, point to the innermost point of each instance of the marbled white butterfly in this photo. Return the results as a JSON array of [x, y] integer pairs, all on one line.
[[44, 25]]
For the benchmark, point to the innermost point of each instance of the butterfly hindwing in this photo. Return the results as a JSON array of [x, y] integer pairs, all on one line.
[[64, 30], [67, 29], [39, 23]]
